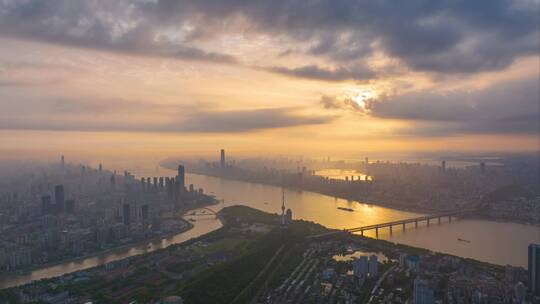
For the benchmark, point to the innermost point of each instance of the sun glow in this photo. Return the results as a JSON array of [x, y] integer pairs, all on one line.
[[361, 96]]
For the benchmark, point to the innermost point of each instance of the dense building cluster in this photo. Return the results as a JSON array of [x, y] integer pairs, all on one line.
[[65, 211], [346, 272]]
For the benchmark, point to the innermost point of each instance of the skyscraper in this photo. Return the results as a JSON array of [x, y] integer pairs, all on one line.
[[222, 160], [423, 294], [143, 184], [144, 215], [360, 267], [282, 207], [62, 161], [46, 204], [180, 178], [126, 214], [70, 206], [59, 198], [113, 181], [534, 269]]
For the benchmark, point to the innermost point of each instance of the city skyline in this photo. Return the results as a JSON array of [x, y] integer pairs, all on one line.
[[157, 78]]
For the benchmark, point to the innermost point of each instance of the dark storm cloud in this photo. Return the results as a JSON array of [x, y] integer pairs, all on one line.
[[460, 36], [358, 72], [511, 107]]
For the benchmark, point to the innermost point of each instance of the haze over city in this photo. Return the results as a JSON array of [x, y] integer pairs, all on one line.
[[269, 152]]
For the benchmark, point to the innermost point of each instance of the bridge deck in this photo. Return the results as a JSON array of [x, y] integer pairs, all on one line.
[[405, 221]]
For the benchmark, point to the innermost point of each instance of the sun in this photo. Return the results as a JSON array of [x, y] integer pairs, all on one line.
[[361, 95]]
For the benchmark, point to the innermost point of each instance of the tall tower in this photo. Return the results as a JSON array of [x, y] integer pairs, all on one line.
[[282, 207], [126, 214], [222, 160], [59, 198], [62, 161], [180, 178], [113, 181]]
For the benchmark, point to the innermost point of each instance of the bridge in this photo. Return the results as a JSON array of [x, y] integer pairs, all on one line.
[[404, 222], [203, 213], [428, 219]]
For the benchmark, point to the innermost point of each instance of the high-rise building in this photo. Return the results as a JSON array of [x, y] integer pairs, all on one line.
[[288, 216], [423, 294], [373, 265], [70, 206], [144, 214], [46, 204], [443, 165], [222, 159], [113, 182], [283, 208], [180, 178], [126, 214], [534, 269], [62, 163], [360, 267], [143, 184], [100, 167], [59, 198]]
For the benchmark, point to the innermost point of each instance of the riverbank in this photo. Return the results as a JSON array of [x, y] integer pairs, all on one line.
[[137, 243], [376, 200], [371, 200]]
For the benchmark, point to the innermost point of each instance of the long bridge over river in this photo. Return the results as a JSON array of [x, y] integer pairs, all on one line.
[[427, 218]]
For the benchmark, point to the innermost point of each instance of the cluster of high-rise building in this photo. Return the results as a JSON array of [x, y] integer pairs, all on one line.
[[68, 210]]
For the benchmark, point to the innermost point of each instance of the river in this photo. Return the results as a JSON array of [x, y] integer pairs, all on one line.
[[494, 242]]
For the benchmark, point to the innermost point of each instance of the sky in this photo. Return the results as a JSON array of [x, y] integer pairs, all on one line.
[[159, 78]]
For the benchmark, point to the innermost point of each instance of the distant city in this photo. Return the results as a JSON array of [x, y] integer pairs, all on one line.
[[64, 212]]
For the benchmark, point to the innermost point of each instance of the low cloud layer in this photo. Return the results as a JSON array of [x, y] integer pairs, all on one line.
[[137, 116], [358, 72]]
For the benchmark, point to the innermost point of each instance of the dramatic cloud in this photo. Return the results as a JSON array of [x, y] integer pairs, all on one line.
[[510, 107], [359, 72], [442, 36], [113, 26]]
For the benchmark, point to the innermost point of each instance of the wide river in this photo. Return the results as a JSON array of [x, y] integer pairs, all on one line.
[[495, 242]]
